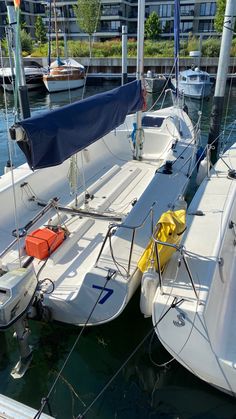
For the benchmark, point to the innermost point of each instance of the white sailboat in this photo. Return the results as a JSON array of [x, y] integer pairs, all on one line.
[[199, 283], [71, 254], [63, 74], [194, 308]]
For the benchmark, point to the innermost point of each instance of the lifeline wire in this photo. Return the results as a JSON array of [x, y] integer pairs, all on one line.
[[45, 399], [174, 303]]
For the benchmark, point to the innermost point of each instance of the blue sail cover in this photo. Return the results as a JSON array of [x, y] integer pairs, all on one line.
[[53, 137]]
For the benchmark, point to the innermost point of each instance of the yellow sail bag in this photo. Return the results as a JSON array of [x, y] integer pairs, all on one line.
[[169, 229]]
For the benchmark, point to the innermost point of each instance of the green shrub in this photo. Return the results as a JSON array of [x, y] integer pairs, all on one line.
[[233, 48], [26, 42], [211, 47], [113, 48]]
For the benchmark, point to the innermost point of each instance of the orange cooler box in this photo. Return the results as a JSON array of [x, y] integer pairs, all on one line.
[[42, 242]]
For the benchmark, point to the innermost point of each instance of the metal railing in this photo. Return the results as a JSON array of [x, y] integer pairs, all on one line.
[[178, 248], [114, 226]]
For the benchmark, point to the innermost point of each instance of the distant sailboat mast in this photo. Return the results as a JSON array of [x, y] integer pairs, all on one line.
[[49, 34], [56, 32]]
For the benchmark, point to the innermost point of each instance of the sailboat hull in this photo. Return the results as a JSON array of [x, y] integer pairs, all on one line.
[[91, 276], [61, 83], [200, 331]]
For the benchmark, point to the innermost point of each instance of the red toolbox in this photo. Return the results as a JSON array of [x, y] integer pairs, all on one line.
[[42, 242]]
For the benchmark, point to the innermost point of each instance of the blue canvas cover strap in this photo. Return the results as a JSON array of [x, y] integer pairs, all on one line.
[[53, 137]]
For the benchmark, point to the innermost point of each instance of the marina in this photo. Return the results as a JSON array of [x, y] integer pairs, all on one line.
[[96, 231], [154, 390]]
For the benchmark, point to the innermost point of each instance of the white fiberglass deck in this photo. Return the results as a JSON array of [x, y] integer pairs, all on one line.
[[200, 332], [121, 189]]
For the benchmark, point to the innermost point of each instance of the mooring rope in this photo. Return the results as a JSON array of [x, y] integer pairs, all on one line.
[[174, 303], [45, 400]]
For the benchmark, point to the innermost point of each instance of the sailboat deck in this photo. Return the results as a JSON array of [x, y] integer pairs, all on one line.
[[203, 252], [81, 248], [112, 193]]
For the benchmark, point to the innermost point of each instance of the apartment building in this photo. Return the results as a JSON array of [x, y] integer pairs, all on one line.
[[197, 17], [29, 10]]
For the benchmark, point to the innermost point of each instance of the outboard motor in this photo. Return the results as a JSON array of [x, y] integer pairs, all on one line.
[[17, 290]]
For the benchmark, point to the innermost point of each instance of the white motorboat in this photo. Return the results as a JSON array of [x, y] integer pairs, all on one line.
[[33, 76], [196, 300]]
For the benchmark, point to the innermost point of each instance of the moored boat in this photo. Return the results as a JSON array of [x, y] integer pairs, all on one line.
[[194, 83], [196, 299], [33, 76], [64, 75]]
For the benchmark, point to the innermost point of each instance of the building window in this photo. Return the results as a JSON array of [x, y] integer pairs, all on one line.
[[165, 10], [115, 25], [27, 8], [206, 26], [187, 10], [111, 10], [167, 26], [186, 26], [207, 9]]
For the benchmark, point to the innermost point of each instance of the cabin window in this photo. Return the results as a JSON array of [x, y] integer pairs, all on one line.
[[152, 121], [203, 78], [184, 78], [193, 78]]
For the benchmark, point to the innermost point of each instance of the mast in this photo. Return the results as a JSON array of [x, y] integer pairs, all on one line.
[[176, 44], [124, 77], [49, 34], [56, 30], [222, 71], [22, 90], [139, 74]]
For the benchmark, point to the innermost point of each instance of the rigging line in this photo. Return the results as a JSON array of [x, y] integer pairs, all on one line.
[[163, 90], [228, 138], [12, 177], [90, 52], [175, 302], [113, 154], [164, 364], [45, 400], [228, 98], [9, 37], [5, 104], [117, 264]]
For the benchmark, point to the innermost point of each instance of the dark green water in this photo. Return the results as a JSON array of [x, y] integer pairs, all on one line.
[[142, 389]]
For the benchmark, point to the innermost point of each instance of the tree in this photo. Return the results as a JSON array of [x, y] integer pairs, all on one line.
[[219, 17], [88, 14], [153, 26], [40, 30], [26, 41]]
